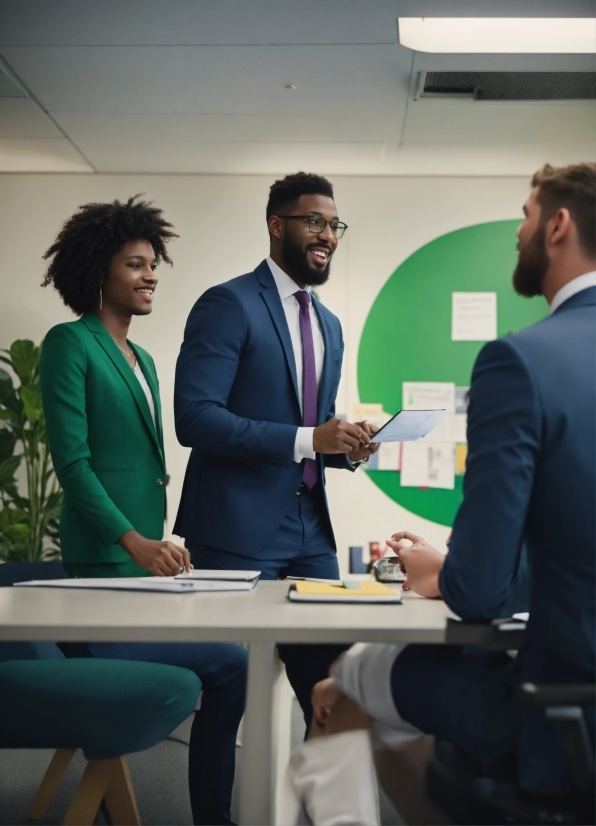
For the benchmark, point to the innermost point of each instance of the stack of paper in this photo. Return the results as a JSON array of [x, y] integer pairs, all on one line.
[[368, 592]]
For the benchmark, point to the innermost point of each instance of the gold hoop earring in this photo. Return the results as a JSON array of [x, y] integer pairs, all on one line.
[[100, 297]]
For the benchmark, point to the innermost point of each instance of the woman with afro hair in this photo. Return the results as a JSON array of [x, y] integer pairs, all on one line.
[[101, 404]]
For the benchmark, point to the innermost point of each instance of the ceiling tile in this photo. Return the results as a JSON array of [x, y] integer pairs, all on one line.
[[240, 158], [363, 81], [196, 22], [40, 155], [114, 129], [21, 118]]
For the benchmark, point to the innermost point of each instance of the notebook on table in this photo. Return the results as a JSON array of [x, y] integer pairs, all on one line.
[[364, 593]]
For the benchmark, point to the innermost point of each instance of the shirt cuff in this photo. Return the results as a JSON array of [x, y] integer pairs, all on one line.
[[303, 446]]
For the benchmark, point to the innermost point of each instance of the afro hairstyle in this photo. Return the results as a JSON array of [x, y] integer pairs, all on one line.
[[82, 253]]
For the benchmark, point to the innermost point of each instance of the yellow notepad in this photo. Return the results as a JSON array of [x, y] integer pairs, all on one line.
[[369, 592]]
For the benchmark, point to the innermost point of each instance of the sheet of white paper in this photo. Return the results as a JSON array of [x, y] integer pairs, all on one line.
[[456, 427], [225, 576], [409, 425], [389, 456], [169, 585], [473, 316], [428, 465], [428, 395]]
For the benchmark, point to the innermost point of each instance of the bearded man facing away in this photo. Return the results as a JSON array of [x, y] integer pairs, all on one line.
[[530, 478]]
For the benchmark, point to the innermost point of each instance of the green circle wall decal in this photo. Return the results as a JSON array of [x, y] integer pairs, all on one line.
[[407, 335]]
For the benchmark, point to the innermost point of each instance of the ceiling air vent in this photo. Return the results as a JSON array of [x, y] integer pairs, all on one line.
[[507, 85]]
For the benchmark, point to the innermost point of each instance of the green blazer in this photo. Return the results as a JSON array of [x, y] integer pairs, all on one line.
[[107, 453]]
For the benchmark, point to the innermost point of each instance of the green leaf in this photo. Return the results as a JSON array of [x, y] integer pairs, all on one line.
[[9, 397], [16, 533], [8, 416], [8, 468], [54, 500], [25, 358], [32, 404], [7, 444], [13, 494], [3, 374]]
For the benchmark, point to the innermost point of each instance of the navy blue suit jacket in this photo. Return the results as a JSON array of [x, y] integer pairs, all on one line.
[[237, 406], [531, 477]]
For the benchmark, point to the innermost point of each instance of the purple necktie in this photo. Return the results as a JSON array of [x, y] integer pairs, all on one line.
[[309, 381]]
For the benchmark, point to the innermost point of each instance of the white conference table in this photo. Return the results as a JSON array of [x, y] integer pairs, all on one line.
[[261, 618]]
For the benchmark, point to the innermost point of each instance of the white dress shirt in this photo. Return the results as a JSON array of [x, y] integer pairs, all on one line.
[[303, 446], [582, 282]]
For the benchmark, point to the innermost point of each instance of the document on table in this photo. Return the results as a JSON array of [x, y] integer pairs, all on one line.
[[168, 585], [223, 576], [368, 592], [408, 425]]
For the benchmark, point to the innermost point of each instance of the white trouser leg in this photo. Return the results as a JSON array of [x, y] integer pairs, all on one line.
[[331, 781], [364, 675]]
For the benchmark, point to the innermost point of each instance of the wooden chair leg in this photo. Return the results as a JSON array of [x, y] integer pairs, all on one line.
[[51, 780], [120, 797], [90, 792]]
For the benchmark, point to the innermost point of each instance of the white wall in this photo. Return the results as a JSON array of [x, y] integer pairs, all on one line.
[[222, 230]]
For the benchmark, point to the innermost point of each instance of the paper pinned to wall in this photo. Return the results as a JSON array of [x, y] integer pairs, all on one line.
[[428, 395], [456, 428], [473, 316], [462, 395], [389, 456], [428, 465], [461, 457], [367, 411]]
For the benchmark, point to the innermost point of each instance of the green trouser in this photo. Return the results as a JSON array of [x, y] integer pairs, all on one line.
[[89, 570]]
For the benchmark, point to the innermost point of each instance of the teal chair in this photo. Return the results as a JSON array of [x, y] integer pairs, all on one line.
[[107, 708]]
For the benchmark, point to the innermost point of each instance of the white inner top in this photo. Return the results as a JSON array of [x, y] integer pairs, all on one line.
[[143, 382]]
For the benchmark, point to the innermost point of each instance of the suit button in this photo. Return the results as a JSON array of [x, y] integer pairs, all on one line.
[[160, 482]]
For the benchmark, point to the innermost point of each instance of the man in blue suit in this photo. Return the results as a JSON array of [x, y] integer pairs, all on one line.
[[530, 478], [256, 382]]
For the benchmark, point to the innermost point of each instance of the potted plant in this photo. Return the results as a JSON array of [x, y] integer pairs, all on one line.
[[28, 515]]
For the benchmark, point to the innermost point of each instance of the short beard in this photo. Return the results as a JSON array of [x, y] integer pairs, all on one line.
[[295, 259], [532, 266]]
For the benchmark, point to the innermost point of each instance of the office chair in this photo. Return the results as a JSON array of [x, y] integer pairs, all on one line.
[[455, 782], [107, 708]]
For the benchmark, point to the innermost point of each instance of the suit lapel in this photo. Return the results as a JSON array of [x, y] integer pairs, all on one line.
[[271, 298], [105, 340], [326, 377]]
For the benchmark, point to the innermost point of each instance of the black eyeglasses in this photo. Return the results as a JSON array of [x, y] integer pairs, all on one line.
[[317, 224]]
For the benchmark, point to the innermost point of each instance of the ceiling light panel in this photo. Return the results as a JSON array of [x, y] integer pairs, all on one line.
[[536, 35]]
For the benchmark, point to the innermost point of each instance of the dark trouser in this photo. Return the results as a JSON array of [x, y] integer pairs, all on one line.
[[221, 668], [301, 547], [468, 697]]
